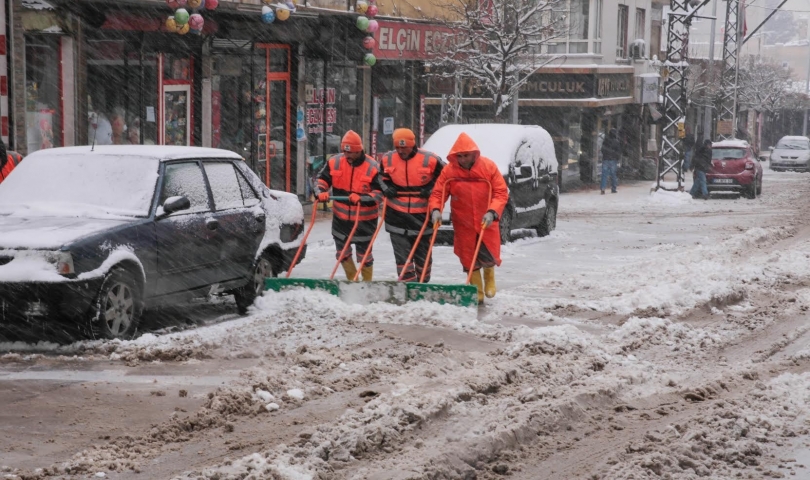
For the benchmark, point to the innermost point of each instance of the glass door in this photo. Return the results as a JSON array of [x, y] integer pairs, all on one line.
[[274, 148], [177, 113]]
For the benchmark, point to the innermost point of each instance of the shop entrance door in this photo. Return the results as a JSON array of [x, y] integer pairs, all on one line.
[[274, 142]]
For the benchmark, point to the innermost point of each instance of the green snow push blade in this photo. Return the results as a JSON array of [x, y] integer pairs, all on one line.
[[461, 295], [397, 293], [279, 284]]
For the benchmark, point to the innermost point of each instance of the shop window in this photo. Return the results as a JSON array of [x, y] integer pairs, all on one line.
[[43, 107], [233, 103], [575, 14], [176, 68], [333, 106], [121, 94], [393, 84]]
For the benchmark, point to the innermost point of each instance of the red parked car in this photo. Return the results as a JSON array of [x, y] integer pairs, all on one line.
[[735, 168]]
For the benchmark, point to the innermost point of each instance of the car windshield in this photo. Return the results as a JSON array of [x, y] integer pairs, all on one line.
[[794, 144], [94, 186], [726, 153]]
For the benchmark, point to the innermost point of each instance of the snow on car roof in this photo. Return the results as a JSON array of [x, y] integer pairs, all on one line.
[[499, 142], [731, 143], [793, 137], [154, 152]]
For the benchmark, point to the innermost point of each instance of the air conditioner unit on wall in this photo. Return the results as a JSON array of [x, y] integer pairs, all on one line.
[[637, 49]]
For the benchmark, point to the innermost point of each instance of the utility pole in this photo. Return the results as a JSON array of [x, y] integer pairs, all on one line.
[[708, 114], [726, 111], [806, 91], [676, 63]]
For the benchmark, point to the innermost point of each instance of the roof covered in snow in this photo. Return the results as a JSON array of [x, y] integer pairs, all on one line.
[[731, 143], [498, 142], [154, 152]]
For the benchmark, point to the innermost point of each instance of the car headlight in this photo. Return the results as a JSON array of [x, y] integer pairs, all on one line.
[[63, 261], [290, 231]]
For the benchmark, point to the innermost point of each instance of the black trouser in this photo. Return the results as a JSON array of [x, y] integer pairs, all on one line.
[[484, 260], [403, 244], [360, 249]]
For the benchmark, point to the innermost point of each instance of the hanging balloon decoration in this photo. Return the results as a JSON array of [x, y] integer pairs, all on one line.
[[366, 23], [183, 22], [280, 11], [268, 15]]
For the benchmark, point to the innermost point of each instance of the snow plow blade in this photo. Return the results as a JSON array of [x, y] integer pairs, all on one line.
[[397, 293]]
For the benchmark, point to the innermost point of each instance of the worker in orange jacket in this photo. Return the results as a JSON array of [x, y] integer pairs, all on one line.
[[471, 212], [7, 164], [355, 175], [408, 176]]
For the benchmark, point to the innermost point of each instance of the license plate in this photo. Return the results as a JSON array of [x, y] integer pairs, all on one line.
[[723, 180]]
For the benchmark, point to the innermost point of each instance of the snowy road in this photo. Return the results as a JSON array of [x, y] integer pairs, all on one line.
[[650, 336]]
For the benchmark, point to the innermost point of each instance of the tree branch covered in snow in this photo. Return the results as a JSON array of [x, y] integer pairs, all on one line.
[[498, 43]]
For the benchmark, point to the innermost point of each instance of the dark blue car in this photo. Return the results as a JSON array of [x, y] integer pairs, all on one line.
[[93, 237]]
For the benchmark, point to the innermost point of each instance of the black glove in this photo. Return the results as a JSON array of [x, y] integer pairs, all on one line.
[[425, 192], [391, 192]]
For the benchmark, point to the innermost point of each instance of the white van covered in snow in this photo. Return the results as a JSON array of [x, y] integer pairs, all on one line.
[[525, 155]]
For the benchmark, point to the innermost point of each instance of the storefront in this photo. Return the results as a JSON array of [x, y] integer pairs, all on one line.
[[578, 106], [398, 79], [108, 73]]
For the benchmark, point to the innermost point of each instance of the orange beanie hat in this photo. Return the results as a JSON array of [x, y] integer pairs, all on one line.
[[351, 142], [404, 137]]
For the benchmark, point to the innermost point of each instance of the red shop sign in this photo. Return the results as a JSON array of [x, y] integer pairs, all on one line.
[[410, 41]]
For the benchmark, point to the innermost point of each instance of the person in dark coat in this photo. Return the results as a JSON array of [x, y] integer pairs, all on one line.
[[611, 152], [702, 165], [688, 149]]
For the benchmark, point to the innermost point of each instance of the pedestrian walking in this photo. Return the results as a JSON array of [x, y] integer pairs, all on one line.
[[702, 165], [471, 212], [688, 149], [408, 176], [355, 175], [611, 152]]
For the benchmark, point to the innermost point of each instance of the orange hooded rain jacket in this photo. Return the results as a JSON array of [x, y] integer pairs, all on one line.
[[468, 200]]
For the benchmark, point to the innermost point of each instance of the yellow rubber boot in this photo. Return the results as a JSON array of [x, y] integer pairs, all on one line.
[[489, 282], [350, 268], [367, 273], [476, 280]]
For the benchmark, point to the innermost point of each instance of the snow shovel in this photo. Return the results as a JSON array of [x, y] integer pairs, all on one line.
[[465, 295], [396, 292]]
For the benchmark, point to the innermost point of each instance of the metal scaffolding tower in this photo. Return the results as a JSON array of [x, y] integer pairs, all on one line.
[[675, 102], [732, 36]]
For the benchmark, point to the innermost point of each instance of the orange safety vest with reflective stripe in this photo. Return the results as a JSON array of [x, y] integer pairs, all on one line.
[[345, 179], [13, 160], [415, 172]]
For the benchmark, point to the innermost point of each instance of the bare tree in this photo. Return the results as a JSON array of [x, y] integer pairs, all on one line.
[[497, 44]]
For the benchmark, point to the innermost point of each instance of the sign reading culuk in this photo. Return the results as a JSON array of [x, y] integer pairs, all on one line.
[[409, 41], [555, 85], [316, 97]]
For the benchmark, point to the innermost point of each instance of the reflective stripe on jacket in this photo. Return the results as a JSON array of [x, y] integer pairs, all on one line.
[[410, 176], [345, 179]]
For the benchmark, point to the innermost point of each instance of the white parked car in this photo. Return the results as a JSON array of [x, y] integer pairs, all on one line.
[[791, 153], [526, 158]]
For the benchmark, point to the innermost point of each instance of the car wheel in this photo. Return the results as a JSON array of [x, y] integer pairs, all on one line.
[[549, 222], [751, 192], [118, 308], [505, 225], [246, 295]]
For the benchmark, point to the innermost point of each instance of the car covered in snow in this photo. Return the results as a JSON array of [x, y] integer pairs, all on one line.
[[735, 169], [90, 237], [791, 153], [526, 158]]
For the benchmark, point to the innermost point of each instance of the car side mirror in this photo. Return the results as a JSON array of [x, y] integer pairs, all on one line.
[[526, 171], [175, 204]]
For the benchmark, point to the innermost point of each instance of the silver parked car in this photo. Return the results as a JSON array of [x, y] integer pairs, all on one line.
[[791, 153]]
